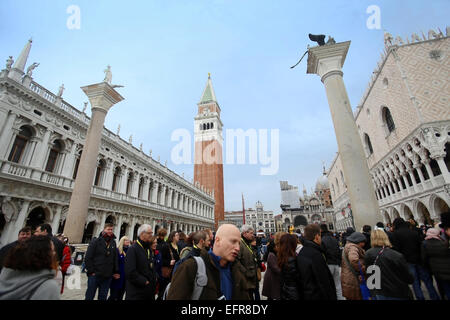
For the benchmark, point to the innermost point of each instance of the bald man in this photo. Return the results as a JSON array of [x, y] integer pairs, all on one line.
[[225, 280]]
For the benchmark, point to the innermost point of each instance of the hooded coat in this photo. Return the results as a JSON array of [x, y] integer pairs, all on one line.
[[350, 284], [28, 285]]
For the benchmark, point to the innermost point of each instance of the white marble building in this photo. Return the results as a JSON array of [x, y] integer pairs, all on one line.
[[404, 122], [41, 140]]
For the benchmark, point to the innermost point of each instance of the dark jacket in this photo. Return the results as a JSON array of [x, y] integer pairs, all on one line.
[[407, 242], [101, 259], [182, 284], [315, 276], [290, 283], [436, 257], [166, 249], [271, 284], [248, 263], [59, 248], [367, 246], [5, 250], [120, 283], [394, 273], [330, 245], [140, 268]]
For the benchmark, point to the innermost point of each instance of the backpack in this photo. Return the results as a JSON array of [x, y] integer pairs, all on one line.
[[201, 279]]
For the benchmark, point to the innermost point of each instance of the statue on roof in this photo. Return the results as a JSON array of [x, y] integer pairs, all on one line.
[[85, 107], [9, 62], [388, 38], [31, 68], [118, 129], [61, 90]]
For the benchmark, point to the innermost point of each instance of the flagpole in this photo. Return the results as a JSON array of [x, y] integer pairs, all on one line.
[[243, 207]]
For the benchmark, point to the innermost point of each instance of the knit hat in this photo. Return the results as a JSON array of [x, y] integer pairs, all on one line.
[[356, 237], [432, 233]]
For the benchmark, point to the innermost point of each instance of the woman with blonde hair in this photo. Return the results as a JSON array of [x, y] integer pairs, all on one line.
[[117, 288], [391, 272]]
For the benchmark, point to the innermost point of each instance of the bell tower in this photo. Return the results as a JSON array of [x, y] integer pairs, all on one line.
[[208, 163]]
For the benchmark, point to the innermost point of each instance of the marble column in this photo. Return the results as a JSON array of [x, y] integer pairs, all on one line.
[[443, 168], [69, 162], [109, 174], [6, 135], [117, 229], [21, 218], [327, 62], [56, 218], [102, 97], [41, 153], [421, 177], [426, 163], [155, 192]]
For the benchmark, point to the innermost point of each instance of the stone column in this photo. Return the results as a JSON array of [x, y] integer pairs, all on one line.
[[405, 180], [6, 135], [56, 219], [426, 163], [100, 226], [39, 158], [155, 192], [163, 196], [123, 181], [102, 97], [22, 216], [134, 185], [145, 188], [69, 162], [131, 230], [109, 174], [413, 179], [327, 61], [421, 177], [443, 168]]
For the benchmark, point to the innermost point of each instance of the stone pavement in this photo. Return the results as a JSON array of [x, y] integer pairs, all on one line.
[[78, 294]]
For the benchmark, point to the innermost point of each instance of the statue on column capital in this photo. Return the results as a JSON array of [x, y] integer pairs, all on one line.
[[85, 107], [108, 75]]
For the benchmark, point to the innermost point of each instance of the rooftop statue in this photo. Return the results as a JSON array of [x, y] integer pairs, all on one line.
[[61, 90], [31, 68], [9, 62], [108, 74]]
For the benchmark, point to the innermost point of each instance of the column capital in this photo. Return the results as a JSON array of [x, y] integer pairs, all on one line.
[[102, 96], [327, 58]]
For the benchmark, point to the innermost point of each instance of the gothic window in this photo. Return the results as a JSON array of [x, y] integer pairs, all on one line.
[[204, 126], [19, 145], [53, 156], [369, 148], [388, 120], [99, 172], [207, 126], [212, 125], [116, 176]]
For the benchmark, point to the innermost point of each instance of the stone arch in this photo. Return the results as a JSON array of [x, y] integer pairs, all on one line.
[[386, 217], [287, 221], [110, 219], [438, 206], [38, 215], [394, 213], [123, 230], [316, 218], [423, 213], [88, 232], [136, 227], [300, 220], [406, 212]]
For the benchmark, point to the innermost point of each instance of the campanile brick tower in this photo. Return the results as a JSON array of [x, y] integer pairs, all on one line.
[[208, 165]]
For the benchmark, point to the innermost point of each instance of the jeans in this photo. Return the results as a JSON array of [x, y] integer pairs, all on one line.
[[421, 274], [116, 294], [101, 283], [336, 273]]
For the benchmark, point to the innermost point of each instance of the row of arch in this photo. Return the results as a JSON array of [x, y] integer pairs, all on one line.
[[421, 211]]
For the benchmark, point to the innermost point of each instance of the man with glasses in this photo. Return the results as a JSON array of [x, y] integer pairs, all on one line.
[[140, 270]]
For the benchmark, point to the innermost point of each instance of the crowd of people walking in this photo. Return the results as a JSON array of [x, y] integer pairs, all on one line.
[[382, 263]]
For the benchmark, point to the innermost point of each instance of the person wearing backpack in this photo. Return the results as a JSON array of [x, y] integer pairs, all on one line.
[[198, 241], [224, 280]]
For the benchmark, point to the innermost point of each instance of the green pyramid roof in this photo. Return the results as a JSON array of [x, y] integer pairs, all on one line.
[[208, 93]]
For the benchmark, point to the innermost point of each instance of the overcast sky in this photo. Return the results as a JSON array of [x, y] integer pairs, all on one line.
[[163, 50]]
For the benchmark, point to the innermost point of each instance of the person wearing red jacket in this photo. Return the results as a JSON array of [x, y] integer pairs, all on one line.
[[66, 259]]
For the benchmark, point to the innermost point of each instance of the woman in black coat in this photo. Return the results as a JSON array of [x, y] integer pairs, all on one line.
[[287, 262], [170, 254]]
